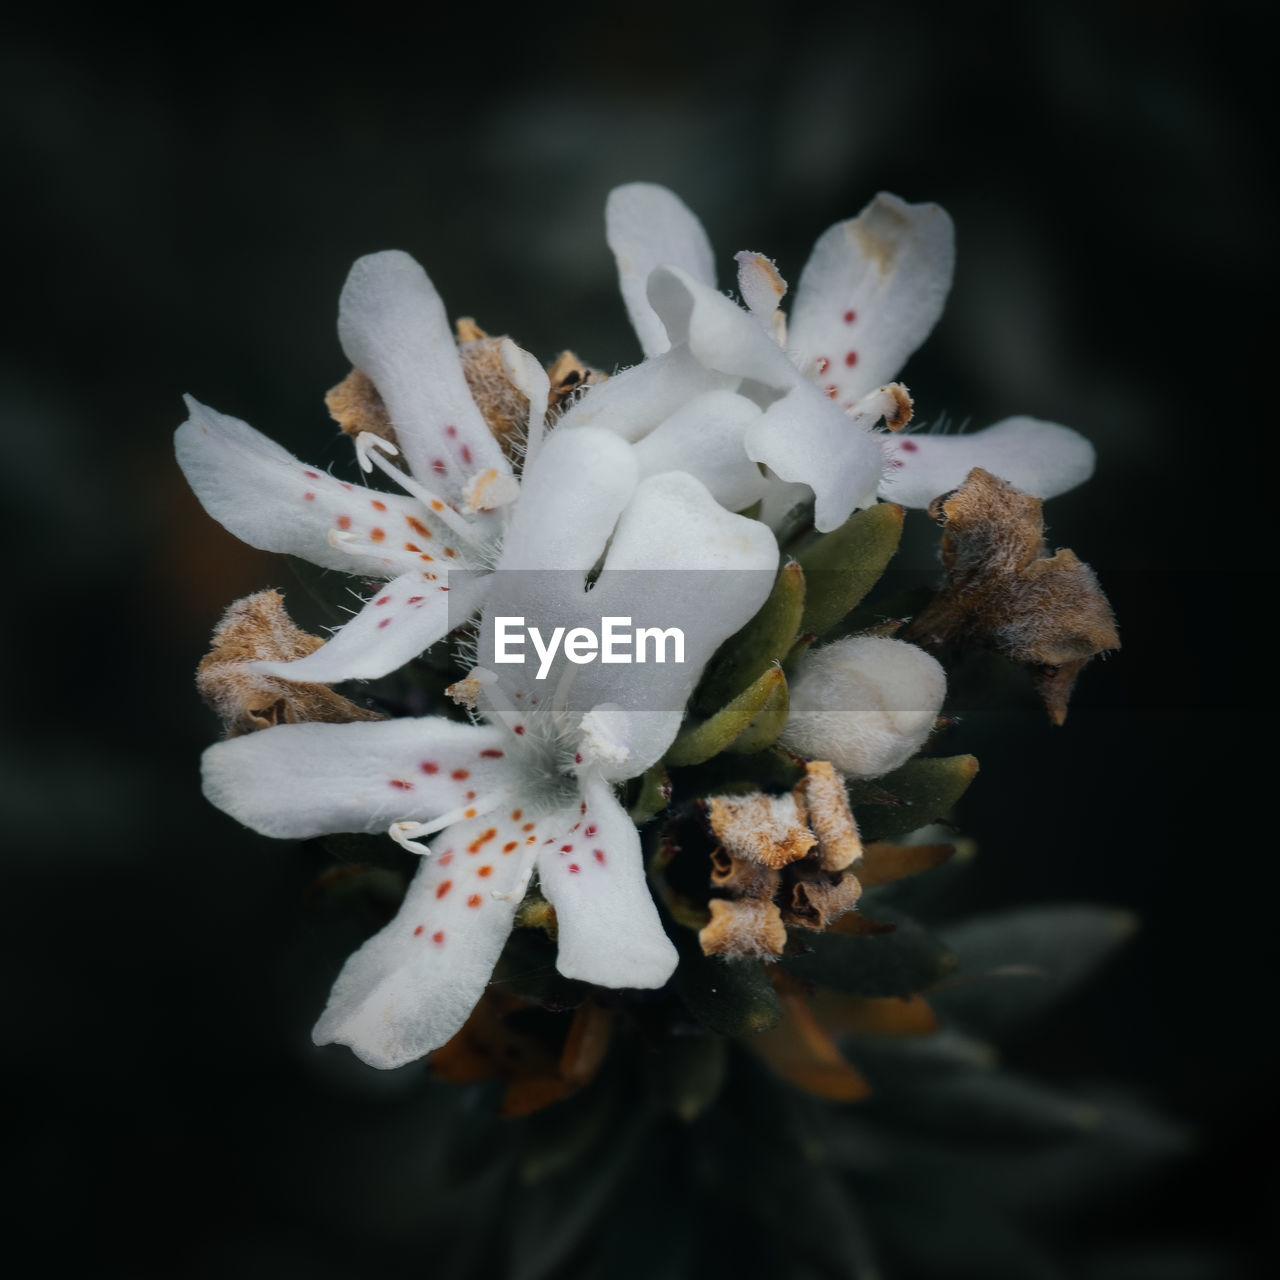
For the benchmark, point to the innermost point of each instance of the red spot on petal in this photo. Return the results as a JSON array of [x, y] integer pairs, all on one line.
[[460, 775], [485, 871], [566, 848], [577, 757], [383, 600], [429, 766], [519, 729], [377, 535], [471, 795], [401, 785], [386, 622], [451, 432], [417, 933], [438, 938], [416, 599], [345, 485], [310, 497], [574, 868], [823, 364], [437, 465], [378, 506], [312, 475], [897, 462], [444, 859], [851, 358], [598, 854], [832, 391], [466, 454], [582, 808], [908, 446], [475, 900], [491, 753], [443, 887], [343, 522], [850, 317], [590, 831], [507, 848]]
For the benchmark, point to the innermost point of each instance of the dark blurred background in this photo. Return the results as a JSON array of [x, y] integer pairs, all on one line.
[[184, 202]]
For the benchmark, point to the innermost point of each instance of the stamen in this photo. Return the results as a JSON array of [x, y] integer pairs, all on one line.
[[405, 833], [340, 540], [517, 894], [367, 446]]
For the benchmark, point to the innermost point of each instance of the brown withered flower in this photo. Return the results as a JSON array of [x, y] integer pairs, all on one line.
[[256, 629], [1004, 591], [781, 860]]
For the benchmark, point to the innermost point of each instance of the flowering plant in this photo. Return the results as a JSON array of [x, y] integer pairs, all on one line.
[[735, 846]]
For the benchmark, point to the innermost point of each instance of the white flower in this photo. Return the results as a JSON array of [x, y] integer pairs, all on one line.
[[869, 295], [393, 328], [531, 789], [866, 704]]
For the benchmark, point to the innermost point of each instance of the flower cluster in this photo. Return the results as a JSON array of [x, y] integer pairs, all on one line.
[[618, 497]]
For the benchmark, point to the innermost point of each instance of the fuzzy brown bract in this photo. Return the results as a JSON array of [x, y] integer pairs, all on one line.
[[1003, 590]]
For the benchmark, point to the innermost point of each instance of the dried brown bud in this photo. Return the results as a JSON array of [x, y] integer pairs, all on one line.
[[355, 405], [813, 898], [761, 828], [829, 817], [569, 379], [503, 405], [1003, 590], [744, 927], [256, 629]]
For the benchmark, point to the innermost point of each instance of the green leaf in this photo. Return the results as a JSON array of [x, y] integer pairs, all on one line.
[[843, 565], [923, 789], [702, 741], [654, 796], [900, 963], [1016, 964], [729, 997], [688, 1073], [769, 722], [766, 639]]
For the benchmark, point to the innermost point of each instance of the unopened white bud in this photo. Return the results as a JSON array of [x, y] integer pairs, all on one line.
[[866, 704]]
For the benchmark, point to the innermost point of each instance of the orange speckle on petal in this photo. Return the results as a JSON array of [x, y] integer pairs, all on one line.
[[413, 546], [450, 552], [377, 535], [475, 900], [343, 522], [310, 497], [468, 813], [460, 775], [517, 814], [417, 933], [378, 506], [443, 888], [485, 871], [417, 526], [436, 504], [528, 826], [438, 937], [509, 846]]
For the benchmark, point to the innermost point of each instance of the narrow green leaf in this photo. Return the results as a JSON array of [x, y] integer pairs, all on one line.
[[924, 790], [766, 639], [769, 722], [843, 565], [729, 997], [900, 963], [702, 741], [688, 1073], [1016, 964]]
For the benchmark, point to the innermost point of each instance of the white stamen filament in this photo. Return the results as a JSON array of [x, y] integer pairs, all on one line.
[[367, 454]]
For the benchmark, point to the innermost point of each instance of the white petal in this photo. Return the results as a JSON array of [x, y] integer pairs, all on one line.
[[569, 502], [866, 704], [804, 437], [396, 624], [303, 780], [393, 328], [719, 333], [632, 403], [267, 498], [593, 874], [705, 439], [411, 986], [1040, 458], [678, 560], [870, 294], [648, 226]]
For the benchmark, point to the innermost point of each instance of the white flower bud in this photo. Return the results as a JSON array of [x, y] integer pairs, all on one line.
[[866, 704]]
